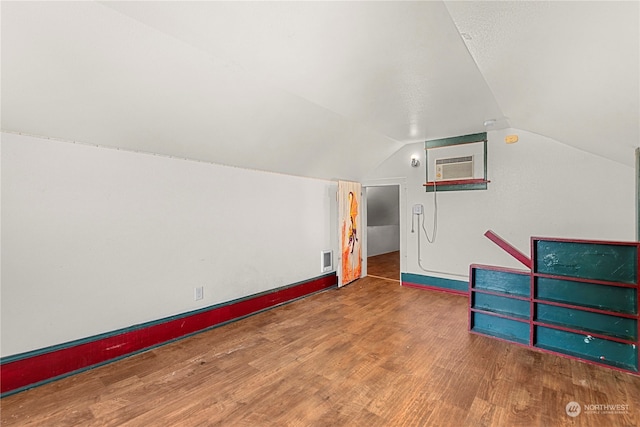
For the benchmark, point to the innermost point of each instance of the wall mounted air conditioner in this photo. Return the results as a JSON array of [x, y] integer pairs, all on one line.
[[454, 168]]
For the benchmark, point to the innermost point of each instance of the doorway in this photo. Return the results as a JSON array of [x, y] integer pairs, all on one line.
[[383, 231]]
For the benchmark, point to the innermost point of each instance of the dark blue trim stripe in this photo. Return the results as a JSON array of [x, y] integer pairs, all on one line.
[[435, 282]]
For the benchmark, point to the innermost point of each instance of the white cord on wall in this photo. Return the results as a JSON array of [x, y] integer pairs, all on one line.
[[435, 216], [435, 219], [434, 233]]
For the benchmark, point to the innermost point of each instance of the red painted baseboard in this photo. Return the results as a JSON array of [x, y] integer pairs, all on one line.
[[59, 361]]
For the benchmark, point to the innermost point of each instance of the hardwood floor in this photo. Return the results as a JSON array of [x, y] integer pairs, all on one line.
[[369, 354], [385, 266]]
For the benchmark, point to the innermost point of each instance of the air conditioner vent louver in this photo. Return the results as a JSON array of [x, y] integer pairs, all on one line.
[[454, 168]]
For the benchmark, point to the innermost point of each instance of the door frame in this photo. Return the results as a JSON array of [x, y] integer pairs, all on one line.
[[401, 183]]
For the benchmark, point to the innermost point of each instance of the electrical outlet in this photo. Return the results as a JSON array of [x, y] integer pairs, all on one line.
[[198, 293]]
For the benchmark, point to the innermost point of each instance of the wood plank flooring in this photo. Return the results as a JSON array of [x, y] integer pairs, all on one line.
[[369, 354], [384, 266]]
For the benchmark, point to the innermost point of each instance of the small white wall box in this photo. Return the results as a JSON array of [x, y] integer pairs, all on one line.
[[453, 168], [326, 261]]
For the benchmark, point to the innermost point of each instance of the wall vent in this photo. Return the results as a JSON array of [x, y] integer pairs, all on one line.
[[326, 261], [454, 168]]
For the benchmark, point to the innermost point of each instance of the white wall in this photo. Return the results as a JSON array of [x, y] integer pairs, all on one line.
[[97, 239], [539, 187], [382, 239]]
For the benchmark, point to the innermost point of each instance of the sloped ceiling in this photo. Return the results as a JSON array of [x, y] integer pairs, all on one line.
[[319, 89], [563, 69]]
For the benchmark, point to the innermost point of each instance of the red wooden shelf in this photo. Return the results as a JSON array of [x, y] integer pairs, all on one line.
[[502, 294], [582, 332], [562, 317], [581, 280], [585, 308], [456, 182], [522, 319]]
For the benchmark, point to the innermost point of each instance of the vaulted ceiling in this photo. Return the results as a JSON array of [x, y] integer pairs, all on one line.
[[320, 89]]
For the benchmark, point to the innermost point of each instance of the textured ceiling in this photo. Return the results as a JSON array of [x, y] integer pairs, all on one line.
[[320, 89], [568, 70]]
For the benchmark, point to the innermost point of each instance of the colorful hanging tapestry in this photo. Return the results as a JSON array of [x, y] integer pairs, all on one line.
[[350, 237]]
